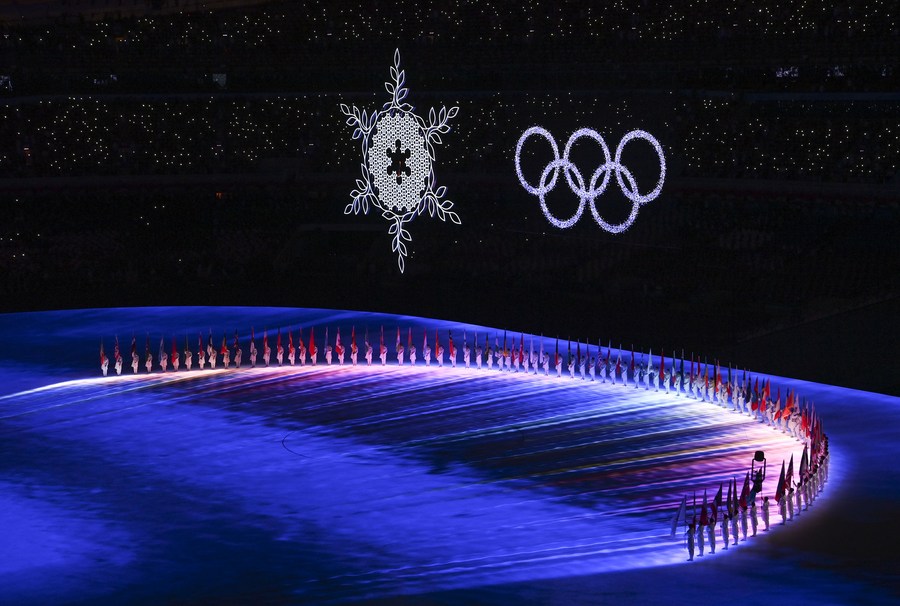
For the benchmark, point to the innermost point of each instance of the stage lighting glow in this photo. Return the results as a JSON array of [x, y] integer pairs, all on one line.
[[398, 162], [590, 191]]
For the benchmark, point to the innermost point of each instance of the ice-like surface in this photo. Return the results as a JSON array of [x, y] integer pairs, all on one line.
[[437, 485]]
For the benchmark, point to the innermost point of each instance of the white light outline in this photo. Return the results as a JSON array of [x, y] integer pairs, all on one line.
[[431, 199], [593, 191]]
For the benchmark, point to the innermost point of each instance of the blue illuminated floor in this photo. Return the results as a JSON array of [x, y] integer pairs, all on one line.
[[336, 485]]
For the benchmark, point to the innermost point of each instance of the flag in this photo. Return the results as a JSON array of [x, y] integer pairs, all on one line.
[[409, 338], [450, 346], [398, 338], [728, 500], [521, 348], [265, 339], [717, 502], [804, 463], [704, 517], [102, 354], [353, 337], [556, 357], [632, 360], [174, 348], [278, 342], [681, 512], [790, 470], [745, 491], [290, 340], [312, 342], [237, 344], [779, 490], [117, 354], [662, 370]]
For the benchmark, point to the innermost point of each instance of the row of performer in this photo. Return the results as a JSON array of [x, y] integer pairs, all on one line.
[[701, 381], [791, 498]]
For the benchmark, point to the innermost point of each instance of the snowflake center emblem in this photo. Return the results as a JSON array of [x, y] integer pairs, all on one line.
[[398, 162]]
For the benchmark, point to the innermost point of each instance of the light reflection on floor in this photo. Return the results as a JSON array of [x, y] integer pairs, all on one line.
[[371, 481]]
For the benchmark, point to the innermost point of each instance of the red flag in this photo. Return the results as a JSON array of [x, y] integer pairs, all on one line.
[[728, 500], [745, 491], [450, 347], [409, 338], [804, 463], [521, 348], [290, 341], [312, 341], [174, 348], [278, 342], [102, 354], [779, 490], [338, 348]]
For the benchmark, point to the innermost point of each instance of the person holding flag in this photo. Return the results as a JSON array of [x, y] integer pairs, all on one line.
[[634, 374], [313, 350], [328, 349], [399, 349], [451, 349], [570, 361], [238, 354], [410, 346], [467, 352], [489, 352], [650, 373], [104, 361], [354, 350], [582, 362], [339, 348], [702, 526], [557, 362], [174, 357], [532, 357], [211, 351], [292, 351], [253, 352], [382, 350], [426, 351], [148, 357], [267, 351], [479, 351], [438, 349], [301, 347], [593, 362], [226, 353], [201, 354], [135, 359], [188, 355], [745, 492], [765, 512], [523, 359], [368, 348], [620, 370], [780, 494], [163, 356], [118, 358]]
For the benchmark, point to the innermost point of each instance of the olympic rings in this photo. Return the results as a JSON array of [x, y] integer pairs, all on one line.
[[590, 191]]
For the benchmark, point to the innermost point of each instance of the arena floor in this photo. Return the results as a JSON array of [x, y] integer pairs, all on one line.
[[392, 484]]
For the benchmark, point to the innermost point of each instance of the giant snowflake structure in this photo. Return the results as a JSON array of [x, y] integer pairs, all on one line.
[[398, 161]]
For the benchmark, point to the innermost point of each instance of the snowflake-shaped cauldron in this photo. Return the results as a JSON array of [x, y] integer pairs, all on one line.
[[398, 161]]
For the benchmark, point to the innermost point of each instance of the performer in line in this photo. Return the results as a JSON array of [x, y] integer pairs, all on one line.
[[253, 352], [451, 349], [489, 352], [382, 352], [754, 522], [479, 352], [188, 355], [313, 350], [650, 373], [163, 356], [211, 351], [592, 364], [571, 362], [174, 357], [339, 348], [400, 349], [545, 359], [467, 352], [439, 349], [201, 355], [267, 351], [104, 361], [148, 357], [226, 353], [558, 361], [426, 351], [533, 356], [410, 346], [354, 350], [582, 362], [368, 355], [301, 347], [328, 349], [689, 536], [292, 351], [726, 519], [135, 359], [765, 512], [238, 354], [118, 358], [279, 349]]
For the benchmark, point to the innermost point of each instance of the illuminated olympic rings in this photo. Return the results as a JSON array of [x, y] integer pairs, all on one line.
[[590, 191]]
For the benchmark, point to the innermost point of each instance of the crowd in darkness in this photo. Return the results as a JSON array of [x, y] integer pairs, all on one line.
[[201, 158]]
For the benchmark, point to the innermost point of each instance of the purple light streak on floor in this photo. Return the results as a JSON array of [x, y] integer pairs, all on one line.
[[309, 484]]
